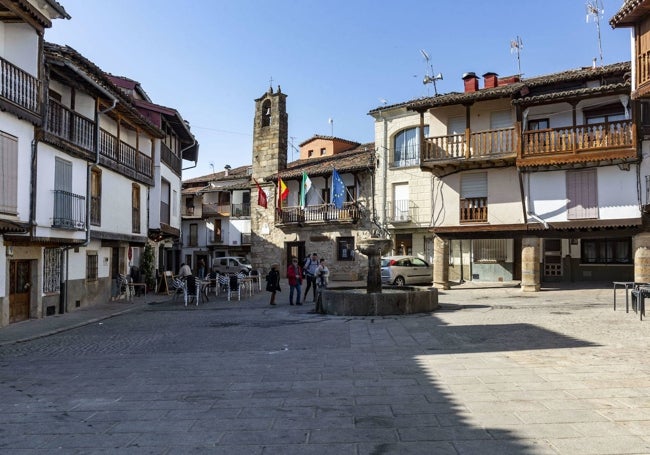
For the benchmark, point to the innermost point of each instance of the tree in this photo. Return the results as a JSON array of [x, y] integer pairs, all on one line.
[[147, 266]]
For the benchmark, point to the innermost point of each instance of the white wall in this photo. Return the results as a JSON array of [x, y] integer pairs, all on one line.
[[24, 131], [45, 189], [20, 47], [617, 194]]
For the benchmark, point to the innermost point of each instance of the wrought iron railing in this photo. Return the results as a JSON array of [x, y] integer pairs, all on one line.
[[319, 213], [243, 209], [400, 211], [69, 210]]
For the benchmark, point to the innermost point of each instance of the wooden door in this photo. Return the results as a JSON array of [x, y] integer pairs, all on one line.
[[19, 290]]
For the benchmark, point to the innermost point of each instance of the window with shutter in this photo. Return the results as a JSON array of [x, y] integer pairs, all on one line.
[[582, 194], [8, 174], [473, 198]]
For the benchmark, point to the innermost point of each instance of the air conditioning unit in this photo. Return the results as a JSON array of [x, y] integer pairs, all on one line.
[[80, 225]]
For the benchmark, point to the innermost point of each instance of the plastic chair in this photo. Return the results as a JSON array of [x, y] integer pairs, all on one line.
[[192, 290], [233, 286], [178, 287]]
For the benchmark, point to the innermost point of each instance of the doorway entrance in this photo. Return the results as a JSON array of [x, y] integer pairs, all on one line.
[[19, 290]]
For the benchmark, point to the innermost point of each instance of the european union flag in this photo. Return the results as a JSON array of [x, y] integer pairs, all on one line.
[[338, 190]]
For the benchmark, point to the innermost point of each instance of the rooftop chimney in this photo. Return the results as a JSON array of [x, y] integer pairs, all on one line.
[[471, 82], [490, 80], [509, 80]]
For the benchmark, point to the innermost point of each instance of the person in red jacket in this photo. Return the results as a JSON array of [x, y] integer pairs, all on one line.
[[294, 275]]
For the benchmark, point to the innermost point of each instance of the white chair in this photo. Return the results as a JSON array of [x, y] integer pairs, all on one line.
[[230, 283], [178, 287]]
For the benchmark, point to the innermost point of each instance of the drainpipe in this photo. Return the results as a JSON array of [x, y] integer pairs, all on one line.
[[384, 221], [181, 155], [528, 213]]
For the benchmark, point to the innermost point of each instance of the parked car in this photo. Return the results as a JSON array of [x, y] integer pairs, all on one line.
[[231, 264], [405, 270]]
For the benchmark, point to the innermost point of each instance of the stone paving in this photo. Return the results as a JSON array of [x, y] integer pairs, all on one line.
[[494, 371]]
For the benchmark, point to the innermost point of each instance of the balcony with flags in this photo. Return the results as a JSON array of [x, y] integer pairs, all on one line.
[[324, 190]]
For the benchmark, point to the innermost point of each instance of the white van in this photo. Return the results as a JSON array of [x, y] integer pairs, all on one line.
[[231, 264]]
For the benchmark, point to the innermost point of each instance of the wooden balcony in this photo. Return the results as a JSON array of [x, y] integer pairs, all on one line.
[[611, 141], [67, 129], [215, 209], [444, 155], [19, 92], [474, 210], [170, 159], [124, 158], [323, 213]]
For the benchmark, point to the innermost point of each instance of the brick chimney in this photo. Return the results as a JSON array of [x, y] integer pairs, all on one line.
[[490, 80], [509, 80], [471, 82]]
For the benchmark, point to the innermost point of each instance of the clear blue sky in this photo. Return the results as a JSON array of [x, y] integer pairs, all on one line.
[[210, 59]]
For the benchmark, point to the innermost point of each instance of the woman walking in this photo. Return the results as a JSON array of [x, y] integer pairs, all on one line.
[[273, 282]]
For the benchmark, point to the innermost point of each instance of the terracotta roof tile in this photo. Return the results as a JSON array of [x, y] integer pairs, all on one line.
[[360, 158]]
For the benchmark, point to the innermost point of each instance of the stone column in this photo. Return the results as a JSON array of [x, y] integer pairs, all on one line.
[[440, 263], [530, 254], [641, 248]]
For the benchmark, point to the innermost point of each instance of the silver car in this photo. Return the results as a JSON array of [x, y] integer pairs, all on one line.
[[405, 270]]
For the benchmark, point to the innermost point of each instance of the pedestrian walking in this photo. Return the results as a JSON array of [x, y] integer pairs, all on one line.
[[322, 275], [201, 269], [322, 280], [273, 282], [309, 266], [294, 275]]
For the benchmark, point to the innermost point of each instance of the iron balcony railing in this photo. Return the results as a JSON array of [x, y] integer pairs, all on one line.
[[241, 210], [69, 210], [401, 211], [19, 87], [319, 213]]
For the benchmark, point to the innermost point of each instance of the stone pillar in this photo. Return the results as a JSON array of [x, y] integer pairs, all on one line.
[[530, 254], [440, 263], [641, 248]]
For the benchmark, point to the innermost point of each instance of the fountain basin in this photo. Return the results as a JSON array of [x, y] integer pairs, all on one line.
[[392, 300]]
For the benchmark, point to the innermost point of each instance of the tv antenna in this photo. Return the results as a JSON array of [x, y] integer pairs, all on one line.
[[429, 78], [211, 163], [331, 122], [595, 11], [516, 45]]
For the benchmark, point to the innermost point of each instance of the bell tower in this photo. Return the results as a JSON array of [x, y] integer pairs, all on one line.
[[270, 135], [270, 142]]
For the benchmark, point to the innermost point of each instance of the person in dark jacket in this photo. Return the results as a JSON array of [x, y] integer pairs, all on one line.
[[273, 282]]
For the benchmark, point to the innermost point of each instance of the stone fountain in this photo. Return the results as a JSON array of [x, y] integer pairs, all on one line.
[[374, 249], [373, 302]]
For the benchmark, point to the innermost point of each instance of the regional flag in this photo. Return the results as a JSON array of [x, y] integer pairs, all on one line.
[[304, 189], [261, 195]]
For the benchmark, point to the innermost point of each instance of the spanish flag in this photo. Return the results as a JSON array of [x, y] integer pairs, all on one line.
[[283, 191]]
